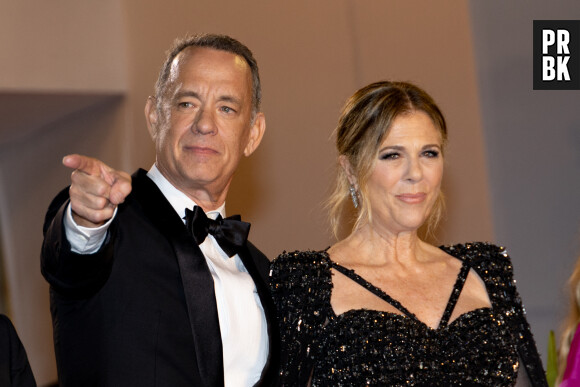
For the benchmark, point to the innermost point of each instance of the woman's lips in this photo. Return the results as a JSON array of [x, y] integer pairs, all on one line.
[[412, 198]]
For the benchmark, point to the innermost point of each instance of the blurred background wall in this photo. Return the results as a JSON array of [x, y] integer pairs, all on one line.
[[74, 77]]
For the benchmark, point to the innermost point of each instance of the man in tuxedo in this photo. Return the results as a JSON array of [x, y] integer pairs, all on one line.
[[150, 286]]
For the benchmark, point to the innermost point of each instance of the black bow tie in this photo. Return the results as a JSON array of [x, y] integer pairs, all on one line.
[[231, 233]]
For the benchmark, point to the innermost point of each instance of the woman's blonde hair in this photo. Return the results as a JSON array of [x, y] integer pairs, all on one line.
[[363, 124]]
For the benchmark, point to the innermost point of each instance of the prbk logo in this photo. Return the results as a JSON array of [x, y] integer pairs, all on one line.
[[556, 54]]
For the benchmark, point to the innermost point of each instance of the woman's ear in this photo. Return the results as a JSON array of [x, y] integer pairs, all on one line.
[[345, 164]]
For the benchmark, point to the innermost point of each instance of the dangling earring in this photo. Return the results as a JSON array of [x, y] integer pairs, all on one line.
[[353, 196]]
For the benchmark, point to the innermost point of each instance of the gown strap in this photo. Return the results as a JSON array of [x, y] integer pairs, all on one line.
[[372, 288], [457, 288]]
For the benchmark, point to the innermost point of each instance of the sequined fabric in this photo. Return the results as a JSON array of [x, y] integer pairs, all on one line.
[[366, 347]]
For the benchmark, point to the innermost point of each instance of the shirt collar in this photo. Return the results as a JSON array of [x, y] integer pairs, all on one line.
[[178, 200]]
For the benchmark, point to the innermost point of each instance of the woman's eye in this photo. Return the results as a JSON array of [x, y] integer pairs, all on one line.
[[389, 156], [431, 153]]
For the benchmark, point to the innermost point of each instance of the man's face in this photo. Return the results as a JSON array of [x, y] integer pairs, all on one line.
[[204, 126]]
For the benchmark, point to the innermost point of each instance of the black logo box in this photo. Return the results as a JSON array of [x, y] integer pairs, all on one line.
[[573, 28]]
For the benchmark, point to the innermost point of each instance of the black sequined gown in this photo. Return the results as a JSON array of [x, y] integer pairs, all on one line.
[[365, 347]]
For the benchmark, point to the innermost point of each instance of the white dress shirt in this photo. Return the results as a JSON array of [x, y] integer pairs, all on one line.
[[241, 316]]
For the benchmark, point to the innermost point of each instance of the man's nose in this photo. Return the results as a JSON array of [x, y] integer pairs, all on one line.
[[204, 122]]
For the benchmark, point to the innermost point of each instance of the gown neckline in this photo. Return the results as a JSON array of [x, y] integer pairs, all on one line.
[[451, 302]]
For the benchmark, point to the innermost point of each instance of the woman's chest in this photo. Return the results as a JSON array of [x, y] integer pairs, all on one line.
[[381, 348]]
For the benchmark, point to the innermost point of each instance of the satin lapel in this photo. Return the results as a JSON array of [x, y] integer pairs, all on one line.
[[197, 280]]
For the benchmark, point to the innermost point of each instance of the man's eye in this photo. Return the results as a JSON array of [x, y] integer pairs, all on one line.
[[185, 104], [227, 109]]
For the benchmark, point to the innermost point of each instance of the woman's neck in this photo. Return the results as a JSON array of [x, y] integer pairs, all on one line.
[[366, 246]]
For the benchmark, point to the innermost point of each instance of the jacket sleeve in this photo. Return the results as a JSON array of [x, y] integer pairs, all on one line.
[[72, 275]]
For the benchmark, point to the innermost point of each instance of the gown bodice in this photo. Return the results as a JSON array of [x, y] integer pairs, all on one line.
[[368, 347]]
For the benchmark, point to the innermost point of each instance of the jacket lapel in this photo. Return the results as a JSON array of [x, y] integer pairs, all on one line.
[[197, 281]]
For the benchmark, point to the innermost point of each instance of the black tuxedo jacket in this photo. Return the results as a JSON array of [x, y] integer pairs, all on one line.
[[141, 311], [15, 370]]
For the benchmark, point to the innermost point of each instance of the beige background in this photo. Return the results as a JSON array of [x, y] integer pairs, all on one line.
[[75, 75]]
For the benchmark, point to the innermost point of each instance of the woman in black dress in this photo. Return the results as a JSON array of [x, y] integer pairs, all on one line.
[[382, 307]]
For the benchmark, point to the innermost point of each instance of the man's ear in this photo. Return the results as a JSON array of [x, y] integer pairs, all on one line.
[[345, 164], [256, 133], [151, 116]]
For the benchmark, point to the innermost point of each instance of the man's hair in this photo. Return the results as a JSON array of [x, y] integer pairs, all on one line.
[[217, 42]]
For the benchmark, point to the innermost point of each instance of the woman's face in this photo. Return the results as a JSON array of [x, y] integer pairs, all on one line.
[[406, 177]]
